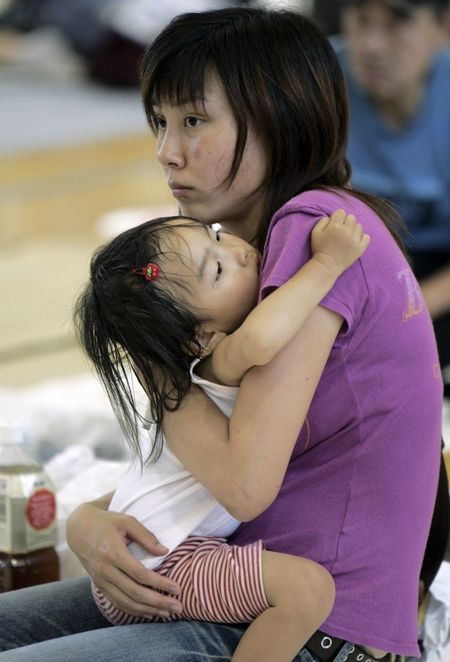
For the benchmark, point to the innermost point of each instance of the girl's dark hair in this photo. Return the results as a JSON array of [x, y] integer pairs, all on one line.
[[282, 77], [126, 323]]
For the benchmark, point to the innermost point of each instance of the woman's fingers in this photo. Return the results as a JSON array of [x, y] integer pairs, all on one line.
[[133, 576], [128, 584], [137, 532], [140, 600], [100, 538]]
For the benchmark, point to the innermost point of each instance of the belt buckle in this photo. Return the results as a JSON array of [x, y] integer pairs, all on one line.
[[326, 648], [323, 646]]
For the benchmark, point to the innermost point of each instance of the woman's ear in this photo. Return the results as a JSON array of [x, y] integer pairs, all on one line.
[[209, 340]]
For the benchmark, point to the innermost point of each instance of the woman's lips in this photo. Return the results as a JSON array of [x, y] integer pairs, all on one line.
[[181, 192], [178, 190]]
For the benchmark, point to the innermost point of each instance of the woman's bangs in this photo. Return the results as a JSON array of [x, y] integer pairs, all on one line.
[[178, 81]]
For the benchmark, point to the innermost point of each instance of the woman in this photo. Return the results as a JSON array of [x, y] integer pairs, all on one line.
[[250, 111]]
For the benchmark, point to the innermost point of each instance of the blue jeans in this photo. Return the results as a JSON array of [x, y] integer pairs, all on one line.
[[60, 621]]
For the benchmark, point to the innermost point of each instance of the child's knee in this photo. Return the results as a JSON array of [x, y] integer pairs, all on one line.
[[322, 591], [299, 584]]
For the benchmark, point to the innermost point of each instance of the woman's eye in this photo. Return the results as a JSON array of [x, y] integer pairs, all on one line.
[[219, 271], [192, 122]]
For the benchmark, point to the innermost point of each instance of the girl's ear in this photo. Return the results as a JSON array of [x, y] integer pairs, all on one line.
[[209, 340]]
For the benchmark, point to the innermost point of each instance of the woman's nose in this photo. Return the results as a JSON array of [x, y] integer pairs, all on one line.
[[170, 150]]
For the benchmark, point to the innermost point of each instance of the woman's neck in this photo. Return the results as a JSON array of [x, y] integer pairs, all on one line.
[[238, 228], [245, 225]]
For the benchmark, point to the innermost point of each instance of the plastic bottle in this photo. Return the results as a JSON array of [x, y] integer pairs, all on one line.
[[28, 532]]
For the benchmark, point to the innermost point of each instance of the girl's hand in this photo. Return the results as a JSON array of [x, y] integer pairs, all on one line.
[[338, 241], [99, 538]]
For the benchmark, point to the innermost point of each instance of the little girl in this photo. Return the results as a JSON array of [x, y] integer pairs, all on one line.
[[176, 301]]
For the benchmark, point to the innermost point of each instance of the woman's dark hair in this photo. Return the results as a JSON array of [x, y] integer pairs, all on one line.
[[126, 323], [281, 76]]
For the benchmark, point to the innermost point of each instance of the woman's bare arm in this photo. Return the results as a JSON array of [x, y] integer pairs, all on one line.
[[276, 399], [242, 460]]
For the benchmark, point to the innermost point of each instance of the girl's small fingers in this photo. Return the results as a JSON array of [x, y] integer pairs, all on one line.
[[350, 220], [322, 224], [339, 217], [365, 241]]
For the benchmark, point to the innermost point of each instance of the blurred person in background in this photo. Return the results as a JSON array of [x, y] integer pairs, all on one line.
[[77, 26], [108, 36], [396, 59]]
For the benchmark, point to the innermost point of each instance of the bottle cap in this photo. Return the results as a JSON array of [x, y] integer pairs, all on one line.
[[10, 435]]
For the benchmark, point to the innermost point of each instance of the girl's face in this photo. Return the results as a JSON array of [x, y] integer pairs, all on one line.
[[196, 148], [220, 271]]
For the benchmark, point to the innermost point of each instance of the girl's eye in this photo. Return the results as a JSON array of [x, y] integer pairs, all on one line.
[[159, 123], [192, 122], [219, 271]]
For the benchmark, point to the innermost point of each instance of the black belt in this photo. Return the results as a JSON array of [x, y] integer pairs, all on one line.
[[325, 648]]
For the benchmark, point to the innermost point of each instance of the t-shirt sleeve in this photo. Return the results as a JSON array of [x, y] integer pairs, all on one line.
[[288, 248]]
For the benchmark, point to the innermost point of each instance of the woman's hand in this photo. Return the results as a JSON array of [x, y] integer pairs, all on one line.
[[99, 538]]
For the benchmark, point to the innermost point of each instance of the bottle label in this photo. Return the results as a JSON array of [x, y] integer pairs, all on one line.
[[27, 512]]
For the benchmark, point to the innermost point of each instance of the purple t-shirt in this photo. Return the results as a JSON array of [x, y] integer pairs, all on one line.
[[359, 491]]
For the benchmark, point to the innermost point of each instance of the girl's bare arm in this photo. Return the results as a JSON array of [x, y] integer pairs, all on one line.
[[336, 243]]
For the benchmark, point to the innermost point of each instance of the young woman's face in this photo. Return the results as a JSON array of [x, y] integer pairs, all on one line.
[[220, 271], [196, 148]]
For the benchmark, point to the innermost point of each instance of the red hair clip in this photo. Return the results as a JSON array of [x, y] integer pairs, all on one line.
[[150, 272]]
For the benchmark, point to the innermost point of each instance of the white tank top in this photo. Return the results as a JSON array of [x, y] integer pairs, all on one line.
[[166, 498]]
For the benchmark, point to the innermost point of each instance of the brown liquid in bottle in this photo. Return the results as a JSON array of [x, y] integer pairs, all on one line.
[[21, 570], [27, 524]]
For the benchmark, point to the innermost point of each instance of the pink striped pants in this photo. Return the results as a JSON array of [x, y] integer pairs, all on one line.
[[219, 582]]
